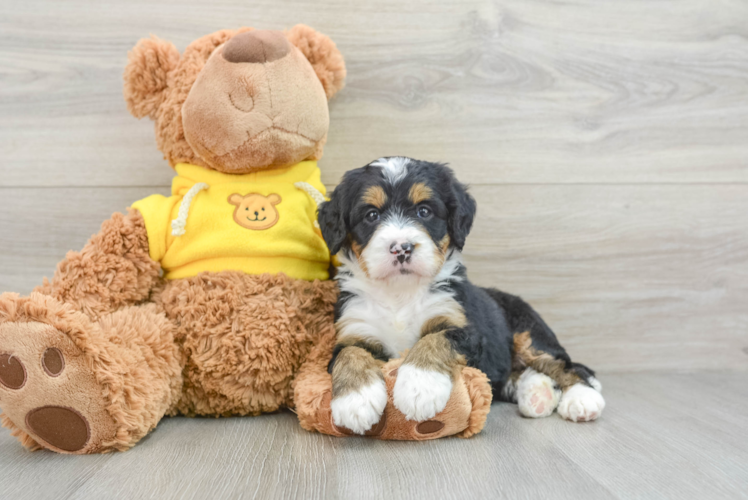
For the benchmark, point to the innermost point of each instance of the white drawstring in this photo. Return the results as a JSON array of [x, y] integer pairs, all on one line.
[[178, 224], [312, 191]]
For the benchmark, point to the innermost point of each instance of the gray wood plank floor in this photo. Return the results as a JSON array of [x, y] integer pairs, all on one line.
[[662, 436]]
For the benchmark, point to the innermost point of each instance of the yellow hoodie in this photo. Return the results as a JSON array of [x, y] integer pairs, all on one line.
[[264, 222]]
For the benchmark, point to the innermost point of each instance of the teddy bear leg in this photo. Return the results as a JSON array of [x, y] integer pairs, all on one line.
[[113, 270], [76, 386]]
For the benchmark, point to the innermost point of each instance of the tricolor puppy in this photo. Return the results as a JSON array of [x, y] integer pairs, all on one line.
[[397, 226]]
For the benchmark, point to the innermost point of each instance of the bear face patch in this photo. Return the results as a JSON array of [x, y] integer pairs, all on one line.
[[255, 211]]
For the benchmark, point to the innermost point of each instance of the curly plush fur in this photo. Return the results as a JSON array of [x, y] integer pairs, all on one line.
[[216, 344]]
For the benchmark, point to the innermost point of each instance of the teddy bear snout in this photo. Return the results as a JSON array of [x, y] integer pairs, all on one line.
[[258, 46]]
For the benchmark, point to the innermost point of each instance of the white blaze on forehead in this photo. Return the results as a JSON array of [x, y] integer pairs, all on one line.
[[394, 168]]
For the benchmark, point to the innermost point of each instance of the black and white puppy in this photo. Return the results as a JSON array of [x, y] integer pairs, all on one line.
[[397, 226]]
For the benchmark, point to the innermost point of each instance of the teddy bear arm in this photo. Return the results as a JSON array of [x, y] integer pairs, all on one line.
[[464, 415], [114, 269]]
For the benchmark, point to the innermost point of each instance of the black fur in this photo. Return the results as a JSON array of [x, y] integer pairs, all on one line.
[[488, 340]]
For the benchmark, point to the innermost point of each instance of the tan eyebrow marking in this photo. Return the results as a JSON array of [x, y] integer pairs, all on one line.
[[375, 196], [419, 192]]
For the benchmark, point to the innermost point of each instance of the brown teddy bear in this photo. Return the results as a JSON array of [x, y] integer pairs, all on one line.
[[216, 299]]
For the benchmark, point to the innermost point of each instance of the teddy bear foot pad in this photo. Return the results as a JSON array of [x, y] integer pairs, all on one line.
[[47, 390]]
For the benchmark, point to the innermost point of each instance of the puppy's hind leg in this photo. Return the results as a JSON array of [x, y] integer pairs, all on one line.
[[582, 402], [580, 399], [538, 394]]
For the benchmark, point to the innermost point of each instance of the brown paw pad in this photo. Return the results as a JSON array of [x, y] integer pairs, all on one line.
[[63, 428], [375, 431], [429, 427], [12, 372], [53, 362], [378, 428]]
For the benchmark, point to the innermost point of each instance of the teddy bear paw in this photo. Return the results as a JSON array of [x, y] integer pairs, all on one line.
[[48, 391]]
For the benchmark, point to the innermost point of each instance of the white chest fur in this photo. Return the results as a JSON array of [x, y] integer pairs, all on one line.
[[392, 312]]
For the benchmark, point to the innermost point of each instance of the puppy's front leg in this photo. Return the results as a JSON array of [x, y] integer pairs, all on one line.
[[359, 393], [424, 380]]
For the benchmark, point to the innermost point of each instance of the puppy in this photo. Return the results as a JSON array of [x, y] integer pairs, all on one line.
[[398, 226]]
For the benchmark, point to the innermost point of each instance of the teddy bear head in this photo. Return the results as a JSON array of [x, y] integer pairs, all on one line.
[[237, 101]]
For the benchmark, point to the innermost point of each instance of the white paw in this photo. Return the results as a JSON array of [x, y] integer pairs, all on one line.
[[581, 403], [537, 395], [360, 410], [421, 394]]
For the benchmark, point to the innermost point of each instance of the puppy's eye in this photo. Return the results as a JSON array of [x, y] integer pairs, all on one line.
[[424, 212], [372, 216], [263, 209]]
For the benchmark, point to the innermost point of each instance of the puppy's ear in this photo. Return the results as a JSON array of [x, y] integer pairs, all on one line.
[[322, 54], [461, 213], [146, 75], [332, 222]]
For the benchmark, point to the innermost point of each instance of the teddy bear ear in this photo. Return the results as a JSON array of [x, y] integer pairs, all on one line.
[[146, 75], [323, 55], [236, 199]]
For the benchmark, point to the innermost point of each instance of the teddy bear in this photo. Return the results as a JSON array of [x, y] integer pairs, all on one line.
[[215, 300]]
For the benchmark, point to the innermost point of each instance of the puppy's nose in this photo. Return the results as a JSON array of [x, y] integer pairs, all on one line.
[[401, 249], [258, 46]]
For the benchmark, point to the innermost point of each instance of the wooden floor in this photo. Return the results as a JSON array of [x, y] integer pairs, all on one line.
[[663, 436], [607, 146]]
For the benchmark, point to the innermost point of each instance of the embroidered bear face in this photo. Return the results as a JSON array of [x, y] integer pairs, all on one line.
[[255, 211]]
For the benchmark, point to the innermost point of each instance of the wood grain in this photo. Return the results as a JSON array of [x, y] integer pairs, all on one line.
[[662, 436], [512, 92], [630, 277]]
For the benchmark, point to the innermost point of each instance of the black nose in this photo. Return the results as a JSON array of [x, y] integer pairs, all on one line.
[[402, 250], [257, 213]]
